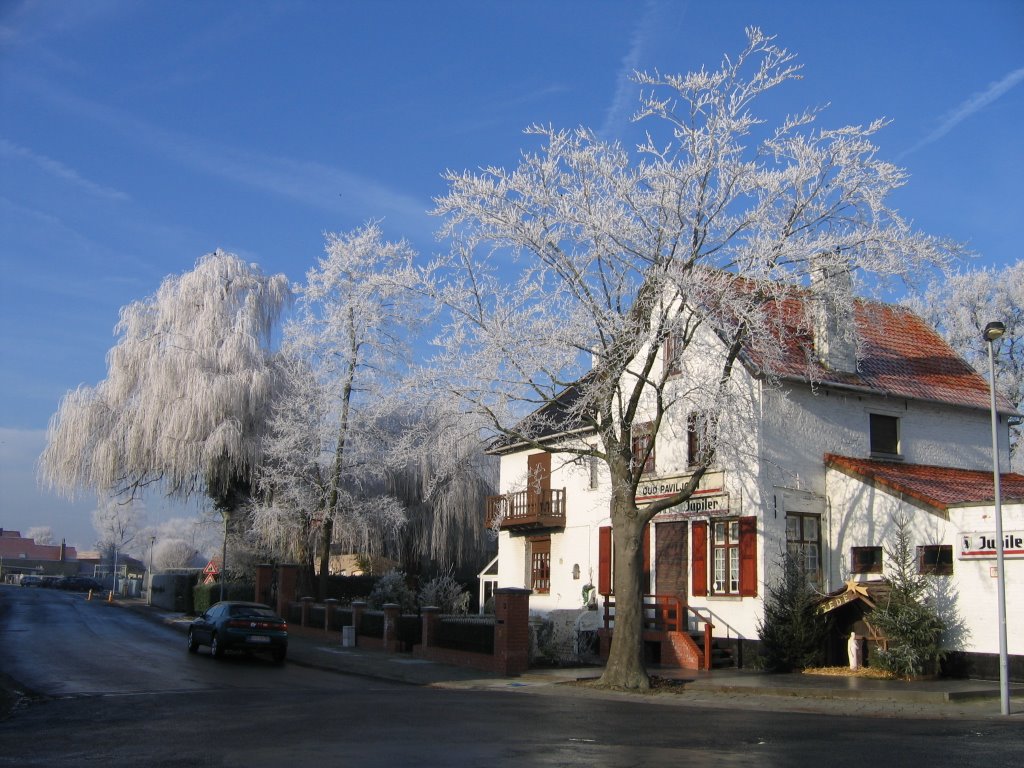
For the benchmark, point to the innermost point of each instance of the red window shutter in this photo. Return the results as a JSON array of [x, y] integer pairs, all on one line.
[[699, 559], [647, 557], [604, 560], [748, 556]]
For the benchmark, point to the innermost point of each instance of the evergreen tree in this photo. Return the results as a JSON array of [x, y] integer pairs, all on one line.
[[913, 627], [793, 631]]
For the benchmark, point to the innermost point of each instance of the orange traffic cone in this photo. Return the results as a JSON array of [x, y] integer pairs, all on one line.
[[90, 595], [110, 596]]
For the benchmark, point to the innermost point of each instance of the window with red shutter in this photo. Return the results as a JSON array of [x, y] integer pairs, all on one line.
[[604, 560], [748, 556], [699, 559]]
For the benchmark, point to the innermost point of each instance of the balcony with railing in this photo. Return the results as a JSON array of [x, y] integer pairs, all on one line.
[[527, 509]]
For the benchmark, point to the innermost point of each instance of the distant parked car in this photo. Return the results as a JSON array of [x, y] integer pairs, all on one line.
[[49, 581], [31, 580], [79, 584], [234, 625]]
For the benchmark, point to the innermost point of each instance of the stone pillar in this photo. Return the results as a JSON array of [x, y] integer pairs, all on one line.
[[429, 615], [358, 606], [391, 614], [287, 581], [329, 606], [512, 630], [307, 606]]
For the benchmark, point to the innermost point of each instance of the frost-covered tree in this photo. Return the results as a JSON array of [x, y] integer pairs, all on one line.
[[187, 390], [40, 534], [292, 479], [170, 554], [344, 348], [567, 276], [181, 542], [960, 307], [117, 525], [438, 468]]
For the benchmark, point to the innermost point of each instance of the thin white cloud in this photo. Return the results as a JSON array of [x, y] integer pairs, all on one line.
[[59, 170], [624, 102], [971, 106], [315, 184]]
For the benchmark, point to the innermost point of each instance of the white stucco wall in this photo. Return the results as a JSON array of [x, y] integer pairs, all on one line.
[[967, 598]]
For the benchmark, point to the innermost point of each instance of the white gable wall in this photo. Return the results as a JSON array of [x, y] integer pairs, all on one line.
[[967, 599]]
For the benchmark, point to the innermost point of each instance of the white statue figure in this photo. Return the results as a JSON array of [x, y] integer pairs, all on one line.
[[853, 650]]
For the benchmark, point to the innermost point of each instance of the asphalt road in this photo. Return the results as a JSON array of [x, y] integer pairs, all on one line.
[[113, 689]]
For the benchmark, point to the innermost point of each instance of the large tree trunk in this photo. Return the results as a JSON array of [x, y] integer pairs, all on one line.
[[625, 667]]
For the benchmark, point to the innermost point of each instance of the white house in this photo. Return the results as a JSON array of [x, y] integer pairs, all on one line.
[[816, 465]]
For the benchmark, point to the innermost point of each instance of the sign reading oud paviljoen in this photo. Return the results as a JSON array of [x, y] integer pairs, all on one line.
[[709, 497]]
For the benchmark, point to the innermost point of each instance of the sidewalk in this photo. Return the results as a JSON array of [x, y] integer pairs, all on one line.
[[318, 649]]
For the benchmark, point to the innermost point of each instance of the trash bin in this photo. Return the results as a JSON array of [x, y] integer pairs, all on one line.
[[348, 636]]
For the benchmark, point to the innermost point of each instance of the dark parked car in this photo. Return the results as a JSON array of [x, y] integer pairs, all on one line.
[[31, 580], [233, 625], [79, 584]]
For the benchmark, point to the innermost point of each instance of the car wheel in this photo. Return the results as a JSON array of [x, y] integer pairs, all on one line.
[[216, 649], [193, 644], [279, 654]]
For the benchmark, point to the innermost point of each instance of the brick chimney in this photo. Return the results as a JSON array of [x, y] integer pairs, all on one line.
[[63, 550], [835, 343]]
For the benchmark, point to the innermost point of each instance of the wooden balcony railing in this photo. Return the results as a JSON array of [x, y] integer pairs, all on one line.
[[527, 509]]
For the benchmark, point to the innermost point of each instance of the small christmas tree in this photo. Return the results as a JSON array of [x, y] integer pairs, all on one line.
[[792, 632], [911, 625]]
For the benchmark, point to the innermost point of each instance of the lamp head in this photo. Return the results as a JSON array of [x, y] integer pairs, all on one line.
[[993, 331]]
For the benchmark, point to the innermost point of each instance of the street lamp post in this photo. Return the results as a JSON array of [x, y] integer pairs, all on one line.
[[152, 541], [993, 332]]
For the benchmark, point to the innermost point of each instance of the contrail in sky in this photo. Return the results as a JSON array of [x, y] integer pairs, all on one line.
[[974, 104]]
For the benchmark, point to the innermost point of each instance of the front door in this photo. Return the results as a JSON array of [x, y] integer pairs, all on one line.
[[670, 559]]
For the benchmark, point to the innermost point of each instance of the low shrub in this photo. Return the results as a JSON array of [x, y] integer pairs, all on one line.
[[205, 595], [447, 594]]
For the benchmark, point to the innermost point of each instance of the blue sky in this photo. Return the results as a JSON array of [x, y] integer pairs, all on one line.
[[135, 137]]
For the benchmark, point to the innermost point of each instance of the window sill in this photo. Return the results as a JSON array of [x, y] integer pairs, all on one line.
[[885, 456]]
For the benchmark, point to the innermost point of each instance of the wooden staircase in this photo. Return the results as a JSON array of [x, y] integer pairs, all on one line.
[[667, 637]]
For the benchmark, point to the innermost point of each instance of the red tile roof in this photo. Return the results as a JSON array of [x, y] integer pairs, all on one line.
[[938, 487], [900, 355]]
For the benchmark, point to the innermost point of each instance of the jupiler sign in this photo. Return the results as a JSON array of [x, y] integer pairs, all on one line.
[[981, 545]]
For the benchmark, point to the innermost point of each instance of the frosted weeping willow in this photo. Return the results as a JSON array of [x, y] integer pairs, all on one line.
[[439, 469], [186, 395]]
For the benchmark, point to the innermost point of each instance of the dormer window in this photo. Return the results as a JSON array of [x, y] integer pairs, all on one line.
[[885, 435]]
